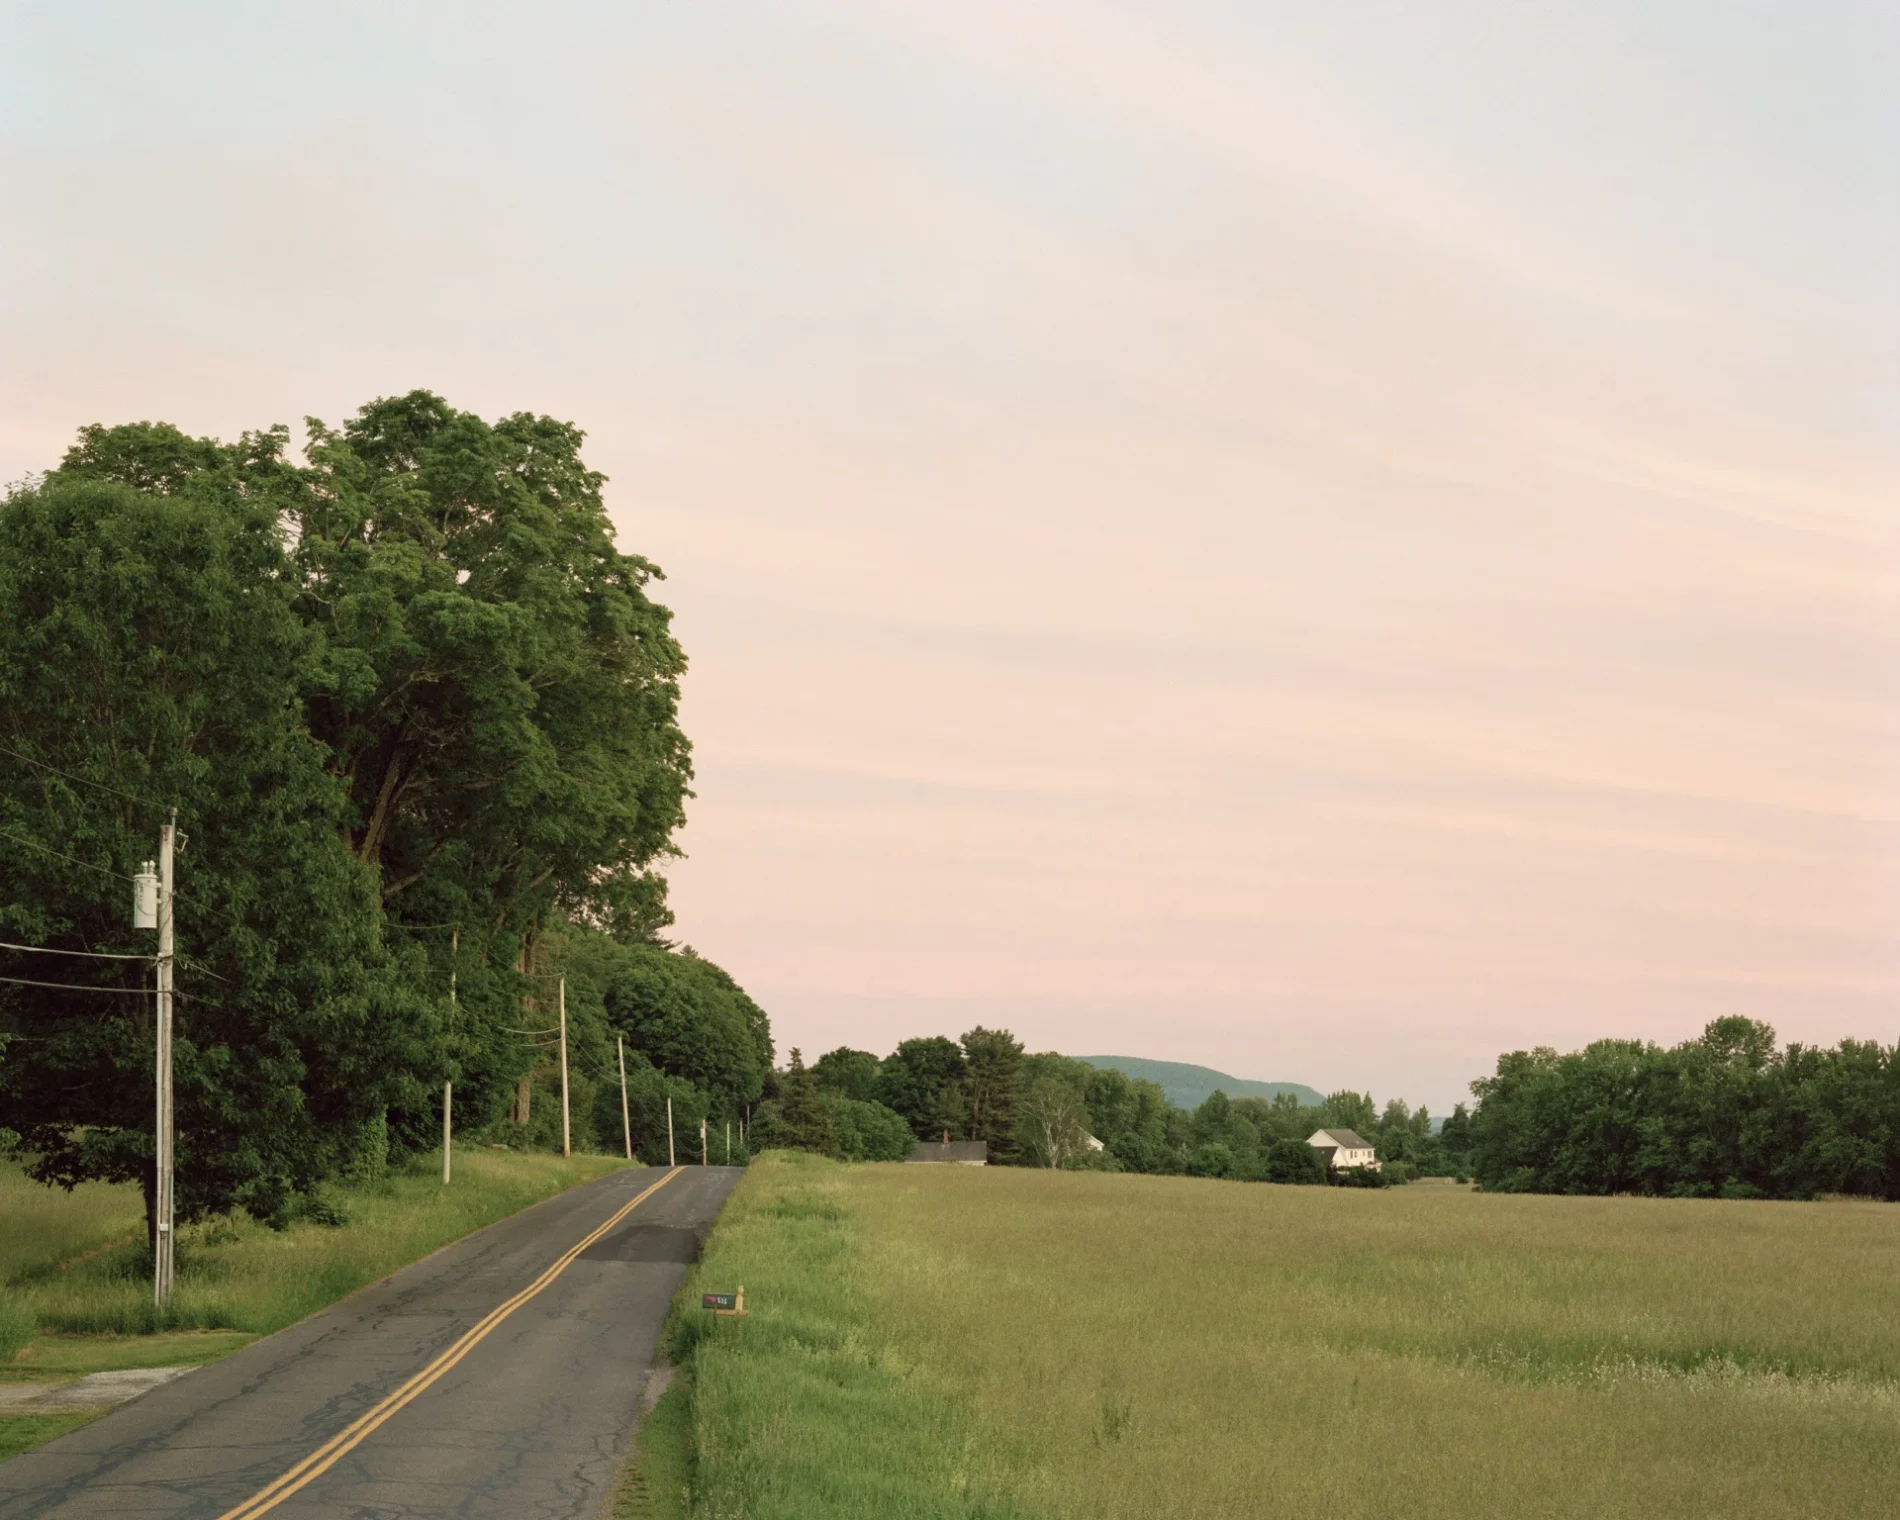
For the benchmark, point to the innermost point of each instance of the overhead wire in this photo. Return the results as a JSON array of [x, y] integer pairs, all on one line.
[[21, 981], [36, 845], [82, 780], [100, 955]]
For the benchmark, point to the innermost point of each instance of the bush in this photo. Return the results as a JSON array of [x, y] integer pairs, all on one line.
[[1294, 1161], [1215, 1159], [869, 1131], [1357, 1176]]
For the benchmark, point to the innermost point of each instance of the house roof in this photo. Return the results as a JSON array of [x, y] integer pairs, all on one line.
[[1345, 1139]]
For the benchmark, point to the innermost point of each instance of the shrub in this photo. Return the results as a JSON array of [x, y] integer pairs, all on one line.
[[869, 1131], [1215, 1159], [1294, 1161]]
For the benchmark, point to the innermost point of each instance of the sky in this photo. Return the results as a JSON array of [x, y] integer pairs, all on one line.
[[1328, 541]]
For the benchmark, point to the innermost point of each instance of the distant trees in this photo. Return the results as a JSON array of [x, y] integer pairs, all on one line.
[[1725, 1115], [992, 1085], [1053, 1121], [848, 1073], [923, 1081]]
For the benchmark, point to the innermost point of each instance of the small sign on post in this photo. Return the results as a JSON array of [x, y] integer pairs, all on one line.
[[725, 1303]]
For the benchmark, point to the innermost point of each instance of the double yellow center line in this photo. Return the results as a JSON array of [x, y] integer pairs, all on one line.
[[352, 1435]]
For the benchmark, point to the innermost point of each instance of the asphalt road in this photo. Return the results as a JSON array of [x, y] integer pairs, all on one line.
[[413, 1397]]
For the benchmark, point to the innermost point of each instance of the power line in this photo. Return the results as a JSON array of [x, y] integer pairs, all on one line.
[[36, 845], [20, 981], [98, 955], [200, 967], [82, 780]]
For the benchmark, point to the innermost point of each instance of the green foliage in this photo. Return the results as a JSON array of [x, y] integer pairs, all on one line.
[[923, 1081], [1052, 1115], [690, 1019], [802, 1119], [847, 1072], [418, 716], [149, 643], [1294, 1161], [869, 1131], [992, 1082], [487, 684], [1725, 1115], [1134, 1121]]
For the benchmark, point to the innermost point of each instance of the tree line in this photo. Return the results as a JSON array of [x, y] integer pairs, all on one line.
[[416, 714], [1052, 1110], [1725, 1115]]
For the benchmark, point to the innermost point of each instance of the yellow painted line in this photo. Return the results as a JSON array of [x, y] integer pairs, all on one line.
[[353, 1435]]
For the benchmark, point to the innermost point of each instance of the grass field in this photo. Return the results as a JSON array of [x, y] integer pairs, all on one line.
[[943, 1341], [75, 1285]]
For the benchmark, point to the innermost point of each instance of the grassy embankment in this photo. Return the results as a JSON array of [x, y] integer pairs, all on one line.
[[936, 1341], [75, 1286]]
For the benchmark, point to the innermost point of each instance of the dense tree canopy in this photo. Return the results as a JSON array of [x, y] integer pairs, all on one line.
[[923, 1081], [151, 657], [1723, 1115], [417, 712]]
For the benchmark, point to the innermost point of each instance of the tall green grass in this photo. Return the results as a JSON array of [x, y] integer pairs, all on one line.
[[790, 1402], [1075, 1344], [41, 1227]]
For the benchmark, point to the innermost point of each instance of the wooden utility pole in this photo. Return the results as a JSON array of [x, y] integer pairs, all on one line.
[[567, 1144], [448, 1131], [702, 1142], [669, 1132], [162, 1234], [626, 1124], [728, 1142]]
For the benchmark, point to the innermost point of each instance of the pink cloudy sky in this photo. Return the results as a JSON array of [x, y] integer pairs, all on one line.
[[1324, 540]]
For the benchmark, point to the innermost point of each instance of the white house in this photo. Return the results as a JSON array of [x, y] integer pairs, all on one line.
[[1343, 1149]]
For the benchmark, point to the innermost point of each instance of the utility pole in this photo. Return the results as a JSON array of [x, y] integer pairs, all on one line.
[[448, 1133], [728, 1142], [567, 1145], [626, 1124], [702, 1142], [669, 1131], [162, 1249]]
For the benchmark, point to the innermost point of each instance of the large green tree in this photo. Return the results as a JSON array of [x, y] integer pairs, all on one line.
[[923, 1081], [494, 690], [992, 1088], [691, 1020], [152, 657]]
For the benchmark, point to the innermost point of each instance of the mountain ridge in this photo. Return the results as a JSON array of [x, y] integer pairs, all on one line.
[[1188, 1085]]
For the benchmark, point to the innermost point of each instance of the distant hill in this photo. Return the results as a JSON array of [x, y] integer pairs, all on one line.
[[1189, 1086]]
